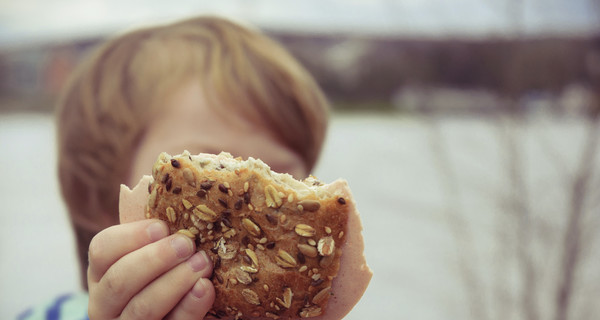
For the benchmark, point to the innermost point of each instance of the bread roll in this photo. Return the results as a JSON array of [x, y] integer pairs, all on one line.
[[281, 248]]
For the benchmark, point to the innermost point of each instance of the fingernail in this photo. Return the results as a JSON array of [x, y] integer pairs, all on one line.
[[157, 231], [199, 261], [182, 245], [199, 290]]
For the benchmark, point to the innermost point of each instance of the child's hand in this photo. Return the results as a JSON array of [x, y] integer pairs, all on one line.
[[137, 272]]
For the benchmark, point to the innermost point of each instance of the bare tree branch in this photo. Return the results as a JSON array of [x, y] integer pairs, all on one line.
[[467, 259], [571, 252]]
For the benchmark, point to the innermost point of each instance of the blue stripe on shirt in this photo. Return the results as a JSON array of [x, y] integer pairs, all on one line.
[[25, 314], [53, 313]]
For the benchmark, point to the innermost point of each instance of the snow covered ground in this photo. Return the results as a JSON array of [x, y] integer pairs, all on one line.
[[398, 167]]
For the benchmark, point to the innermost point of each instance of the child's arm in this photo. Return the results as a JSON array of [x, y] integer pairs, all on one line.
[[137, 271]]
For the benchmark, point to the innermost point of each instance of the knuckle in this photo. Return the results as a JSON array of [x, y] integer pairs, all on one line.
[[139, 309], [114, 285]]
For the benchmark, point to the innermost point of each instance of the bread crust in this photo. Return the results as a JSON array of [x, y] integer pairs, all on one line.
[[275, 243]]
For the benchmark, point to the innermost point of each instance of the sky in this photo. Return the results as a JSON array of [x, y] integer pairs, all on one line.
[[23, 21]]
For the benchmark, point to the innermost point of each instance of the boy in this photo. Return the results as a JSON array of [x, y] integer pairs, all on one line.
[[205, 85]]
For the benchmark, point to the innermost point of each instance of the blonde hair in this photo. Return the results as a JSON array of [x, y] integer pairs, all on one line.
[[113, 95]]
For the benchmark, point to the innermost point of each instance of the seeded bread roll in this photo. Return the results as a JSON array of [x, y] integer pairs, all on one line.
[[276, 243]]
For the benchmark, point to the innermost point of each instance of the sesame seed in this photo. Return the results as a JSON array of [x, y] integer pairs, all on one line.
[[206, 185], [316, 283], [201, 193], [222, 188], [175, 163], [341, 200], [238, 205], [169, 184]]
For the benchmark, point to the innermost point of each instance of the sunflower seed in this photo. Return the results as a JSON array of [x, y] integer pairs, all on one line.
[[310, 312], [205, 213], [187, 233], [284, 259], [304, 230], [310, 205], [186, 203], [188, 175], [272, 197], [287, 298], [251, 227], [227, 255], [321, 296], [243, 277], [171, 215], [252, 255], [251, 297], [249, 269]]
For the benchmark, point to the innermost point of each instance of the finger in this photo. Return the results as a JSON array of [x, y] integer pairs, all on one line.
[[196, 303], [130, 274], [163, 294], [112, 243]]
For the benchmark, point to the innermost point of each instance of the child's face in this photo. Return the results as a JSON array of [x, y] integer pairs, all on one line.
[[187, 123]]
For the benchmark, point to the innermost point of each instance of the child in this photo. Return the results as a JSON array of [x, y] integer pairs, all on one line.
[[205, 85]]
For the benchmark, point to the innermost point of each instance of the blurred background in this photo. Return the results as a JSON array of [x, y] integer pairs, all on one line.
[[468, 131]]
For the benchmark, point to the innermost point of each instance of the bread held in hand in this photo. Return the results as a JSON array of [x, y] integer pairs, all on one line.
[[281, 248]]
